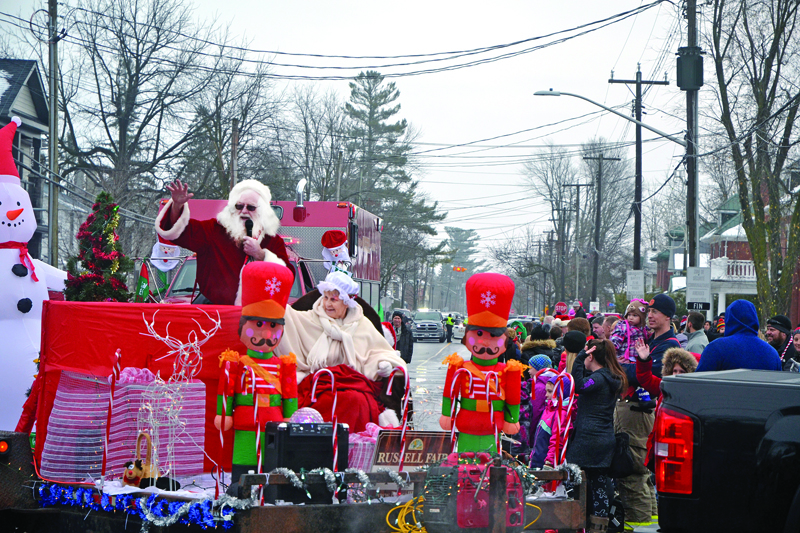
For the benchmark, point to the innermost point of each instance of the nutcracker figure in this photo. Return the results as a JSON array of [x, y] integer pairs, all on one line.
[[488, 392], [259, 387]]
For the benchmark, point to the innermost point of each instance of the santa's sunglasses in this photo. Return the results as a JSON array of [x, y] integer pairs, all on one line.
[[249, 207]]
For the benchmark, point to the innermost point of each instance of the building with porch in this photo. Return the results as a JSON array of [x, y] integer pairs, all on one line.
[[22, 94], [732, 269]]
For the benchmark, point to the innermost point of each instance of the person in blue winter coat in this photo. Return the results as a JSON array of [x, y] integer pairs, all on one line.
[[740, 347]]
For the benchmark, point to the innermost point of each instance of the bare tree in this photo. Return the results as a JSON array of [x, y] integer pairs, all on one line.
[[547, 173], [317, 125], [754, 46], [128, 92], [551, 174], [240, 93]]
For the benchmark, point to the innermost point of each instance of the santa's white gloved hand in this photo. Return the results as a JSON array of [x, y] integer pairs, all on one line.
[[384, 369]]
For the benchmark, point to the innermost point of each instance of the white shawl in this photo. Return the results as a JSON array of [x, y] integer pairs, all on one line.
[[319, 341]]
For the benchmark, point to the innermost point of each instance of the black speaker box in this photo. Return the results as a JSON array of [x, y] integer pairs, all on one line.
[[306, 447]]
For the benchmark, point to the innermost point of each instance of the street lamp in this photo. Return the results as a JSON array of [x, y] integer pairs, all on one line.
[[551, 92], [691, 208]]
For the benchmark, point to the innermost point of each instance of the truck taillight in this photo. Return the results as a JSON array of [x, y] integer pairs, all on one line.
[[674, 451]]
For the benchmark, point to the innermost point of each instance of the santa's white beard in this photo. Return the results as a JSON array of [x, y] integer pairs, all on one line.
[[234, 226]]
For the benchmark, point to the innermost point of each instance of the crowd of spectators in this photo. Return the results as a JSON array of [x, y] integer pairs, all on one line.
[[617, 364]]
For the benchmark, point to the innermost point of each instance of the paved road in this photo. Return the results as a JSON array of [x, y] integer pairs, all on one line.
[[427, 380]]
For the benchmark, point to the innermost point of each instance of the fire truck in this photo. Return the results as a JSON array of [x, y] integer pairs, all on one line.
[[302, 226]]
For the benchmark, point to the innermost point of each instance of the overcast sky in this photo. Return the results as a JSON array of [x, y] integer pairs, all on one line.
[[485, 105]]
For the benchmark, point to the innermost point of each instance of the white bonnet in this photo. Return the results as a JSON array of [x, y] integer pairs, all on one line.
[[343, 284]]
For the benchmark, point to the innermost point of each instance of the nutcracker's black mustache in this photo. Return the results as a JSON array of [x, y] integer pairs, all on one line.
[[269, 342], [490, 351]]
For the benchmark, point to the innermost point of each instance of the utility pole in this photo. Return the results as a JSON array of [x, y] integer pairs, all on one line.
[[52, 148], [338, 176], [544, 285], [690, 79], [550, 260], [601, 158], [234, 152], [637, 195], [577, 229]]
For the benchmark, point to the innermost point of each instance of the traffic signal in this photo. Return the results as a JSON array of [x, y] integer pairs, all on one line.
[[459, 269]]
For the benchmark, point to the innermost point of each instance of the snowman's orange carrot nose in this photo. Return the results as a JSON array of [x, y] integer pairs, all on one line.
[[14, 214]]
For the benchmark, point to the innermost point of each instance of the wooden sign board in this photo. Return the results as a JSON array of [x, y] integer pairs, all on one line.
[[422, 448]]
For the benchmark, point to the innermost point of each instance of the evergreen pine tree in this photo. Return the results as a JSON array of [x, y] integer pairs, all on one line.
[[101, 263]]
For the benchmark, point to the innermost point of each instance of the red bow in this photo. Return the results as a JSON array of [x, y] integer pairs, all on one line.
[[24, 258]]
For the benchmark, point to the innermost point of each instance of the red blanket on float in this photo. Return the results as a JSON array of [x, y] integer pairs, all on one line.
[[83, 336], [357, 401]]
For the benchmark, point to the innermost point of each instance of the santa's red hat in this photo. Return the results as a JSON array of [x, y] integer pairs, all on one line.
[[333, 238], [8, 169], [265, 289], [489, 298]]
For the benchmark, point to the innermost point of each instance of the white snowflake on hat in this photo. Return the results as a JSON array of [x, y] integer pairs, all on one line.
[[334, 250], [488, 299], [273, 286]]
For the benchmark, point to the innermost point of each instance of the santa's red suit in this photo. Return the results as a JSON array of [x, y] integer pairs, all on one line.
[[220, 259]]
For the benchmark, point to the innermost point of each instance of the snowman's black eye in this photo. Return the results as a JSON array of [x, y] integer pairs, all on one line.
[[17, 203]]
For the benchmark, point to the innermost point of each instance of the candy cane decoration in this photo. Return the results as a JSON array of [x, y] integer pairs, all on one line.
[[470, 391], [115, 371], [536, 377], [404, 408], [487, 381], [333, 411], [222, 427], [562, 421]]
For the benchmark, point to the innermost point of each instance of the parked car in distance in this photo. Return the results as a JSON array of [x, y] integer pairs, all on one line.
[[458, 330], [429, 325]]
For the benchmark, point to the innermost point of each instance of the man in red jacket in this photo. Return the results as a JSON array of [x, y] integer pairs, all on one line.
[[245, 230]]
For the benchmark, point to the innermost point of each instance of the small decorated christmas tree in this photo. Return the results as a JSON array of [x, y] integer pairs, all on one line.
[[95, 275]]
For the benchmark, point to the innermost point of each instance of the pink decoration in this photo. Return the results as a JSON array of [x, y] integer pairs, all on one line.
[[139, 376]]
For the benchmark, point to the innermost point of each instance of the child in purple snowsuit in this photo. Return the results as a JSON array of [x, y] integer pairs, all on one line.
[[628, 330]]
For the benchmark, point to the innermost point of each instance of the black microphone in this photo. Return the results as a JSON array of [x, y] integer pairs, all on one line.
[[248, 226]]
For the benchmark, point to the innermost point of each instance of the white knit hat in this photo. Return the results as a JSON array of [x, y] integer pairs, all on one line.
[[343, 284]]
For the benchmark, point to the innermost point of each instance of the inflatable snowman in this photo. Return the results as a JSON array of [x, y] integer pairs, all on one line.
[[23, 286]]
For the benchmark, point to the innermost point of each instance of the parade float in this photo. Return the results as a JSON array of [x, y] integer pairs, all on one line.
[[143, 412]]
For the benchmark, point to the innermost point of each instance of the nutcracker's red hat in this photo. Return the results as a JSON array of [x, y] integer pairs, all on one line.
[[489, 298], [333, 238], [265, 289], [8, 168]]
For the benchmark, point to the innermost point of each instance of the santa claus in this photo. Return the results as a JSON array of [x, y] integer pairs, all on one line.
[[245, 230]]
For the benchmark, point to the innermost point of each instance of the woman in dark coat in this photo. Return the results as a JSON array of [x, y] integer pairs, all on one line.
[[599, 380]]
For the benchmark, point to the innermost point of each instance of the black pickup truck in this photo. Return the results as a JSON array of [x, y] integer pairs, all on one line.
[[727, 447]]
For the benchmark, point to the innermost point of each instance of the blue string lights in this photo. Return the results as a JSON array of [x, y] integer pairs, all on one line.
[[150, 509]]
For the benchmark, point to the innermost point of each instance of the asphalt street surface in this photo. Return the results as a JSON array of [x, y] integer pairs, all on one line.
[[427, 380]]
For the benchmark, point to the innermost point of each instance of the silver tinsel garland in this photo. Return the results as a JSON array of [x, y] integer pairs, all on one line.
[[574, 472], [162, 521], [395, 477]]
